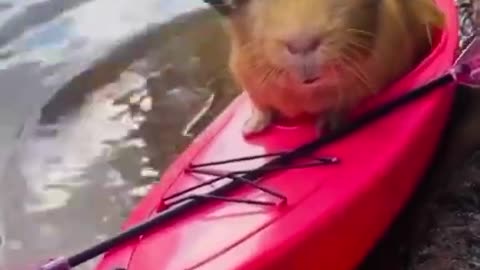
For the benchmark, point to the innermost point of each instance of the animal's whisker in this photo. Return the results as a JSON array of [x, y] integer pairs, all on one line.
[[335, 68], [278, 72], [266, 75], [359, 45], [429, 35], [353, 67], [361, 32], [270, 73]]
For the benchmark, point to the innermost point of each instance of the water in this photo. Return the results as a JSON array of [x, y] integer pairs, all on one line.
[[96, 98]]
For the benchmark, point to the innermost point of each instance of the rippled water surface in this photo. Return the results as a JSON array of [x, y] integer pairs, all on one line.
[[97, 97]]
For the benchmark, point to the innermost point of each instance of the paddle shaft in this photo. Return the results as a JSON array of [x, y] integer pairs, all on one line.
[[137, 231]]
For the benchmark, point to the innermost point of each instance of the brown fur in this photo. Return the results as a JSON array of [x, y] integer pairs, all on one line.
[[366, 44]]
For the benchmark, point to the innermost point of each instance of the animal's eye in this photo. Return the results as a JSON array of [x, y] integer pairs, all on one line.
[[226, 7]]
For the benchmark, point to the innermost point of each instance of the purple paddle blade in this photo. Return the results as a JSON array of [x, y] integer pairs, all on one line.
[[60, 263], [467, 67]]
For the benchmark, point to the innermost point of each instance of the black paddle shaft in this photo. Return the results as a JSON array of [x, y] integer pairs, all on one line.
[[137, 231]]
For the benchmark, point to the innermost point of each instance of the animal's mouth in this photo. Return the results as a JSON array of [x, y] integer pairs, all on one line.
[[310, 81]]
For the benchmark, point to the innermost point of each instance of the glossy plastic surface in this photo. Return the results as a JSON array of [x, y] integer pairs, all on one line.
[[334, 215]]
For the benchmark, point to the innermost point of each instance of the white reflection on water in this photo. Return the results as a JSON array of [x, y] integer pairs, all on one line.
[[60, 153]]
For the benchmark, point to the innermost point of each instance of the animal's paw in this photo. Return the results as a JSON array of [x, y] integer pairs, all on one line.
[[336, 122], [329, 123], [257, 123]]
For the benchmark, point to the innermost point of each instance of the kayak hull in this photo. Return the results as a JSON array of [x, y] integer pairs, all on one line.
[[334, 214]]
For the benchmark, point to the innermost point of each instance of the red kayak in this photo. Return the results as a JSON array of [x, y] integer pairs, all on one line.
[[326, 210]]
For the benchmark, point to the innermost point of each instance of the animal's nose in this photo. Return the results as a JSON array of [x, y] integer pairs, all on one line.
[[303, 45]]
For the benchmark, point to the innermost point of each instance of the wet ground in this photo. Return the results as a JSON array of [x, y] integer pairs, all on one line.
[[97, 97]]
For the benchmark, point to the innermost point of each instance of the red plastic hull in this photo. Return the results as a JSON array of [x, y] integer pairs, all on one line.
[[335, 214]]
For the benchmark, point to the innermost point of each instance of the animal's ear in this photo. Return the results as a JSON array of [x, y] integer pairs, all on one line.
[[226, 7]]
